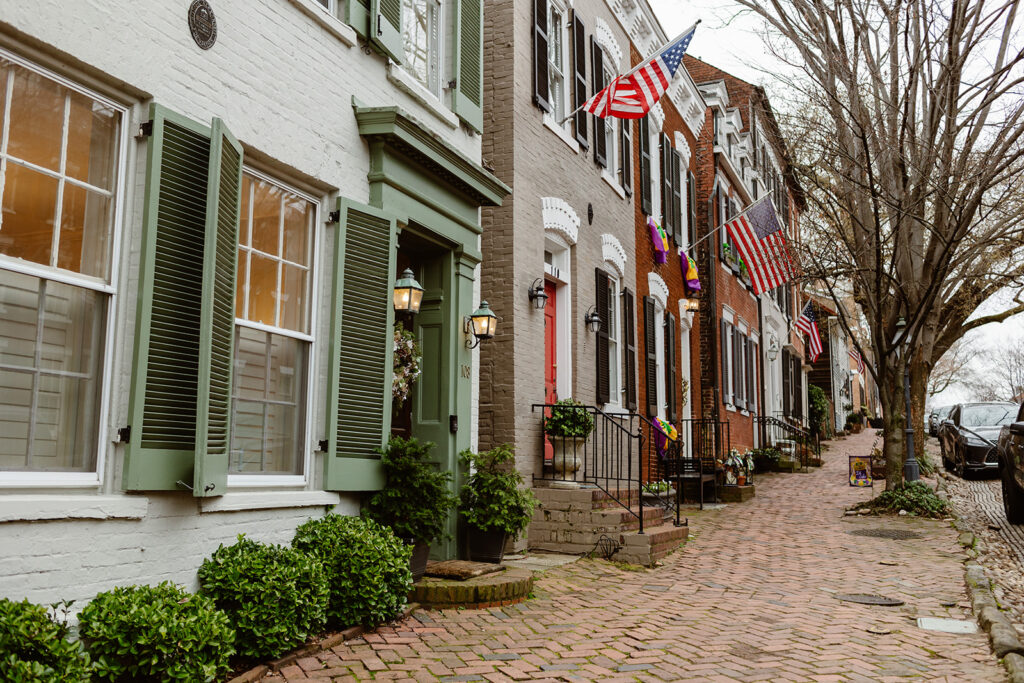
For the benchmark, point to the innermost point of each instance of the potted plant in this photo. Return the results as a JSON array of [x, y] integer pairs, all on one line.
[[415, 500], [733, 464], [492, 502], [765, 459], [567, 427]]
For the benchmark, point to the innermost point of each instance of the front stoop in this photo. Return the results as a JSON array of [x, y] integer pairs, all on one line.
[[736, 494], [501, 588], [572, 522]]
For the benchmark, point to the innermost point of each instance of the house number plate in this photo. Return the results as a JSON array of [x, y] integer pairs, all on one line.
[[202, 24], [466, 373]]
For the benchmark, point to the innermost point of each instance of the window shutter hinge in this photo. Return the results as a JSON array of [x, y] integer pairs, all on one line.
[[452, 84], [333, 217], [124, 434], [145, 130], [322, 446]]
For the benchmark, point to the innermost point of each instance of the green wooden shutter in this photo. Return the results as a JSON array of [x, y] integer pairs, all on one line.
[[386, 27], [217, 316], [468, 96], [357, 15], [360, 370], [180, 396]]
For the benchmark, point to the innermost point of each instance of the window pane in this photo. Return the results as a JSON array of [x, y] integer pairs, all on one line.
[[49, 378], [268, 409], [84, 219], [266, 218], [263, 290], [29, 208], [36, 119], [243, 267], [293, 298], [92, 142], [244, 236], [298, 217], [420, 28]]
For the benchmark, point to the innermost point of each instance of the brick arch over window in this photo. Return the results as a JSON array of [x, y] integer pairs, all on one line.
[[604, 37], [560, 219], [658, 289]]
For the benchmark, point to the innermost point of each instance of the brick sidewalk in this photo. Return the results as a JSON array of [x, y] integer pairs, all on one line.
[[749, 598]]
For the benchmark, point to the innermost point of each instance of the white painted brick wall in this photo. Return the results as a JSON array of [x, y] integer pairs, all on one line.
[[284, 85]]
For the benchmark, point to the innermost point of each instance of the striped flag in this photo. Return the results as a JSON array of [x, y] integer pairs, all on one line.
[[632, 95], [808, 322], [761, 241], [855, 355]]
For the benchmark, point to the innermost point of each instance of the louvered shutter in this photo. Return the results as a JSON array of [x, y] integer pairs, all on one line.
[[626, 153], [360, 358], [386, 28], [787, 391], [579, 75], [179, 402], [650, 358], [541, 96], [666, 185], [677, 198], [671, 381], [798, 388], [603, 310], [644, 177], [739, 388], [691, 188], [600, 142], [468, 95], [726, 393], [357, 15], [629, 336], [750, 365]]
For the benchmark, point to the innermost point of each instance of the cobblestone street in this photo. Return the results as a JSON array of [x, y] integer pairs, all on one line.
[[750, 597]]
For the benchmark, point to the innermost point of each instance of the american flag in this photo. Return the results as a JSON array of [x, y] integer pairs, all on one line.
[[808, 322], [632, 95], [855, 355], [761, 241]]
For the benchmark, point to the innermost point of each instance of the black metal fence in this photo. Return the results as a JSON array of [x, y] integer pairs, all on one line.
[[789, 439]]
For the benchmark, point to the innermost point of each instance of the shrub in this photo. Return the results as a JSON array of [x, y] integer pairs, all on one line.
[[818, 409], [493, 497], [276, 596], [916, 497], [416, 500], [34, 646], [765, 458], [855, 418], [366, 564], [156, 633], [569, 418]]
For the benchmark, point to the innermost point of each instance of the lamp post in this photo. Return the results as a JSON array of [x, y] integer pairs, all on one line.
[[911, 470]]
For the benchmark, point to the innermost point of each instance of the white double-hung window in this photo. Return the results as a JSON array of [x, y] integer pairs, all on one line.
[[273, 340], [614, 331], [61, 165], [558, 93], [423, 42]]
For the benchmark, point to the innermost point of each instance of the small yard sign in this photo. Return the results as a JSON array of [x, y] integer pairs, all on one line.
[[860, 470]]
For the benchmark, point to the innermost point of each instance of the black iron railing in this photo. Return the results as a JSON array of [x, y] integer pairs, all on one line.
[[789, 439]]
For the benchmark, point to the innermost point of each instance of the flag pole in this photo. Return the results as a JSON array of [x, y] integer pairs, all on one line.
[[643, 62]]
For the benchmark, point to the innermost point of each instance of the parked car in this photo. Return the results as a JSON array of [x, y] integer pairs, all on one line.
[[969, 435], [1011, 467], [936, 417]]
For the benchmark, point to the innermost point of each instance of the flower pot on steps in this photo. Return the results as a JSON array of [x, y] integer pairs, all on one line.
[[486, 545], [418, 561]]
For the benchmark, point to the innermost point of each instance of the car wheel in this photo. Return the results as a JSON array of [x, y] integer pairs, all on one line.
[[959, 465], [1013, 497]]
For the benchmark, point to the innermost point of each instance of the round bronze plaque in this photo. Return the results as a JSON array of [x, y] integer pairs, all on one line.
[[202, 24]]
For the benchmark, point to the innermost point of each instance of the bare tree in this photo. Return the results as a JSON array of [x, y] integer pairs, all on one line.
[[951, 369], [1000, 374], [911, 153]]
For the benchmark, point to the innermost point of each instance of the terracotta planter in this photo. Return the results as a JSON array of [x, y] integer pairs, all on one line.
[[486, 546], [741, 480], [418, 561]]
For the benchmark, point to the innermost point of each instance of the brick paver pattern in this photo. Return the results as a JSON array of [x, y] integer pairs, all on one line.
[[750, 597]]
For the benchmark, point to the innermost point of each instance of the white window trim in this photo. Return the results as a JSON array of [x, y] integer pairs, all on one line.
[[684, 366], [407, 83], [562, 255], [654, 144], [327, 17], [615, 393], [659, 355], [563, 135], [40, 478], [313, 291], [566, 66]]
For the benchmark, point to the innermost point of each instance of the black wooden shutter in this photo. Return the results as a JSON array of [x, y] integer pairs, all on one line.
[[691, 188], [666, 185], [600, 142], [541, 96], [751, 396], [604, 310], [650, 358], [644, 177], [739, 388], [626, 150], [579, 76], [677, 199], [629, 339], [798, 388], [726, 393], [786, 386], [670, 366]]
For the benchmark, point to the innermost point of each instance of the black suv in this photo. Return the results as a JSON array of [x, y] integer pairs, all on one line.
[[970, 433], [1011, 467]]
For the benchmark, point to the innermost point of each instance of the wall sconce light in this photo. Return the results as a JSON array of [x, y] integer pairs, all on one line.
[[482, 325], [593, 320], [773, 349], [692, 305], [408, 293], [538, 297]]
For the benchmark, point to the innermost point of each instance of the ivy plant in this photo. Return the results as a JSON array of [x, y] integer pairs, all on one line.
[[818, 409], [34, 646], [493, 497], [569, 418]]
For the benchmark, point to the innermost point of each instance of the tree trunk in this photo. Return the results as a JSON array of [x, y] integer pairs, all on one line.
[[891, 396], [918, 395]]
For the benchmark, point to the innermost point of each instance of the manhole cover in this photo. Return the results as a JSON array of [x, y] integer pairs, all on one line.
[[898, 534], [947, 625], [867, 599]]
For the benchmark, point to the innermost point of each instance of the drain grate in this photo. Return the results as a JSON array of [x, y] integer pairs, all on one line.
[[897, 534], [868, 599]]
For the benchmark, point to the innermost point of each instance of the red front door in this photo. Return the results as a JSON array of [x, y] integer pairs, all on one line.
[[550, 356]]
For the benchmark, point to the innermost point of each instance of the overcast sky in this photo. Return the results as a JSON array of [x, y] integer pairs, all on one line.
[[734, 41]]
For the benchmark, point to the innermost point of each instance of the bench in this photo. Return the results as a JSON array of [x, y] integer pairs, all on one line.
[[680, 469]]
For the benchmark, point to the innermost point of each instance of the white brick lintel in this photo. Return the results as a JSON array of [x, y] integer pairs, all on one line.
[[40, 507]]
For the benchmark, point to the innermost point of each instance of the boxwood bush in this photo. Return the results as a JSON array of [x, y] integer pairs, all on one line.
[[367, 564], [276, 597], [34, 647], [156, 633]]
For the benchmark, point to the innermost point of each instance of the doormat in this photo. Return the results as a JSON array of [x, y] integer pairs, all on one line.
[[460, 570]]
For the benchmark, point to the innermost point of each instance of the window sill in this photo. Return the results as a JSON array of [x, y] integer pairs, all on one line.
[[265, 480], [745, 413], [49, 480], [337, 28], [262, 500], [42, 507], [406, 83], [613, 183], [563, 135], [730, 407]]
